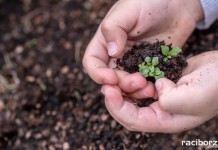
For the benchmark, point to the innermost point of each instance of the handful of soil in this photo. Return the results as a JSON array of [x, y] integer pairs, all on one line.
[[172, 68]]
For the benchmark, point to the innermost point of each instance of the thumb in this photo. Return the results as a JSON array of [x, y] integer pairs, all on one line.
[[115, 37], [164, 88], [173, 98], [116, 26], [178, 98]]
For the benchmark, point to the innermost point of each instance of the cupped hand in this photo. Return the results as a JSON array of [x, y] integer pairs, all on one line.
[[181, 106], [196, 92], [135, 21]]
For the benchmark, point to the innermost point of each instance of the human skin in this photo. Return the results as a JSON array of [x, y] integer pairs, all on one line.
[[131, 21], [181, 106]]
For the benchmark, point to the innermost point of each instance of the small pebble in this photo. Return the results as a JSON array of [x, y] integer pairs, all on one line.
[[28, 135], [19, 49], [104, 117], [51, 147], [68, 45], [113, 124], [53, 139], [66, 146], [38, 136], [30, 79], [48, 72], [65, 70]]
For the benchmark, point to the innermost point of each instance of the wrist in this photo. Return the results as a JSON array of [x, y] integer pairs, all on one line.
[[195, 9]]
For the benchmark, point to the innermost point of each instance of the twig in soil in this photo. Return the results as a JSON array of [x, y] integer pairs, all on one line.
[[4, 83], [15, 77], [42, 85], [77, 52], [26, 20]]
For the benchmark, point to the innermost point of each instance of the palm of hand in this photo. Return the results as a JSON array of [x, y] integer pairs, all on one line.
[[181, 106]]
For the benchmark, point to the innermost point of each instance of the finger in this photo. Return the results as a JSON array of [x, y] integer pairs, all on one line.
[[145, 92], [115, 27], [95, 62], [182, 97], [171, 96], [124, 112], [147, 119], [173, 123], [130, 82], [195, 90]]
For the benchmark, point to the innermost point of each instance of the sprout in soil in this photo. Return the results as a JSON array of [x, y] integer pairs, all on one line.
[[169, 53], [149, 68]]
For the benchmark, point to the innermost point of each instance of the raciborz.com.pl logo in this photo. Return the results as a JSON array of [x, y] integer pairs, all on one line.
[[198, 142]]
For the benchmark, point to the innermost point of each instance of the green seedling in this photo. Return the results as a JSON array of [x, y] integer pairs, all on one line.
[[169, 53], [149, 68]]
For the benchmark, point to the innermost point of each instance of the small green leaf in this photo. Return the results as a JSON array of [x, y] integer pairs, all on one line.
[[164, 50], [174, 52], [141, 68], [155, 61], [140, 65], [161, 75], [165, 59], [148, 69], [151, 74], [148, 60], [169, 56], [145, 71], [146, 75], [157, 71], [151, 68]]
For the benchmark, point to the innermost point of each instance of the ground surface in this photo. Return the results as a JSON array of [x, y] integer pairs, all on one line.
[[47, 101]]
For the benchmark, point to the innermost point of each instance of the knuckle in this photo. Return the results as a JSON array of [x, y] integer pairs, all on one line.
[[105, 26], [163, 103]]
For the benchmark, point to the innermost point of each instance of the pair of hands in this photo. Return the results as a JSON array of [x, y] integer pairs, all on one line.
[[181, 106]]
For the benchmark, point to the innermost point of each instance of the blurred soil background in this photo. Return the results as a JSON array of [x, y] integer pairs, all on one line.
[[47, 101]]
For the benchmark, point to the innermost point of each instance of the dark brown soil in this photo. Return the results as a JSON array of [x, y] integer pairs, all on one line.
[[172, 67], [53, 104]]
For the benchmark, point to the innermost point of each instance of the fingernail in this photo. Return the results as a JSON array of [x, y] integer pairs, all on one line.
[[158, 84], [112, 48], [135, 86]]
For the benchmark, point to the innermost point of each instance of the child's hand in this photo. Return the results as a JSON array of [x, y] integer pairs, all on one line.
[[128, 22], [196, 92], [131, 21], [182, 106]]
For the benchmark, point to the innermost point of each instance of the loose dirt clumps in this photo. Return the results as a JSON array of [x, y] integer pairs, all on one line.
[[172, 68]]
